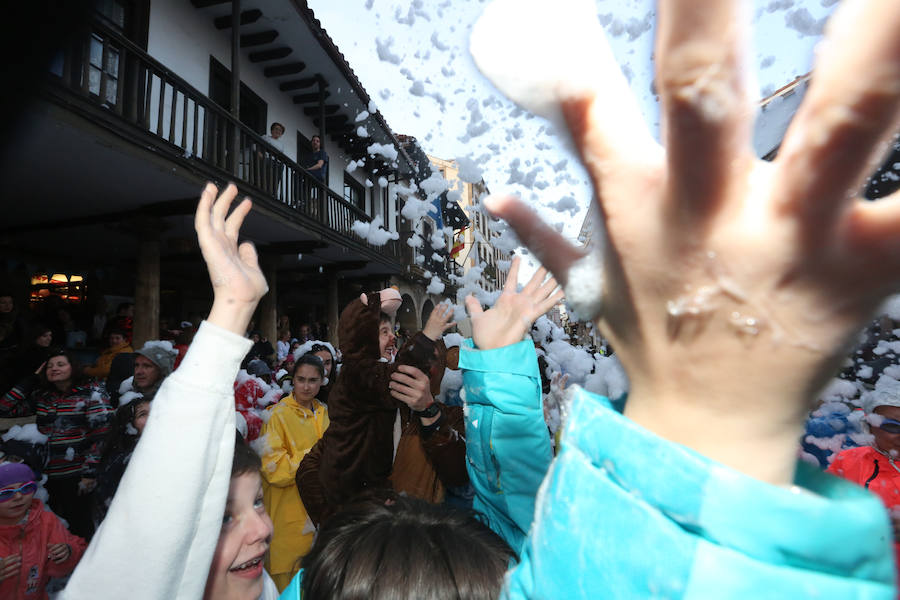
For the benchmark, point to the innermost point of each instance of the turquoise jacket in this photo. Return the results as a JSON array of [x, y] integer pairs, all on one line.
[[507, 443], [623, 513]]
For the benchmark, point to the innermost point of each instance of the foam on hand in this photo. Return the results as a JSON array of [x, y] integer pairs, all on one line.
[[584, 286], [539, 53]]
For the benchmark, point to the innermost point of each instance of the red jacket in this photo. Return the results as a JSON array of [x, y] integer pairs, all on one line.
[[30, 540], [871, 469]]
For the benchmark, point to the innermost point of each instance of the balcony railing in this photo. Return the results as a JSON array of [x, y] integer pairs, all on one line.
[[112, 72]]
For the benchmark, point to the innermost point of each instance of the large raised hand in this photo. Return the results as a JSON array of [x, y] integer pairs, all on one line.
[[732, 286], [238, 283], [511, 316]]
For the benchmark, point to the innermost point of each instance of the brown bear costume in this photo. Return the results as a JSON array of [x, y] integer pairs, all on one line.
[[356, 454]]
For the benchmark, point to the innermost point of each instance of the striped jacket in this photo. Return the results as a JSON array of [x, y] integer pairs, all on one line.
[[76, 422]]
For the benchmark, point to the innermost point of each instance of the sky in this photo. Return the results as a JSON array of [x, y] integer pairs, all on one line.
[[412, 57]]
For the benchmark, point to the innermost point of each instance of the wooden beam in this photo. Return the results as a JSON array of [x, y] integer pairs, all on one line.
[[206, 3], [330, 109], [247, 17], [168, 208], [298, 84], [271, 54], [288, 69], [258, 39], [308, 98]]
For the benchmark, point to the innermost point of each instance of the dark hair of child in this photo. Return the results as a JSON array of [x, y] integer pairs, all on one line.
[[311, 359], [118, 440], [401, 547], [245, 459]]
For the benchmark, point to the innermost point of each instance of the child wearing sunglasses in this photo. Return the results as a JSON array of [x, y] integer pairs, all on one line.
[[34, 544], [875, 467]]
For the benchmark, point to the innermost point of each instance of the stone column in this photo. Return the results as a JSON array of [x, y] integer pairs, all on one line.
[[268, 306], [146, 290], [333, 309]]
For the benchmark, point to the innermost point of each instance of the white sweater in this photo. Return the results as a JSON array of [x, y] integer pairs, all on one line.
[[162, 527]]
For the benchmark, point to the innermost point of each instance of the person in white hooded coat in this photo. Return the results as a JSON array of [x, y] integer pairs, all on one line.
[[165, 526]]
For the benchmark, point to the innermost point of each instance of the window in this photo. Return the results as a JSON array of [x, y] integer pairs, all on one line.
[[104, 69], [130, 18], [354, 192], [304, 150], [253, 109], [70, 288]]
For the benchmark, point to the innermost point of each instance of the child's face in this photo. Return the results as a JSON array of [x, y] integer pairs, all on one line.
[[14, 507], [327, 361], [140, 416], [307, 383], [243, 542]]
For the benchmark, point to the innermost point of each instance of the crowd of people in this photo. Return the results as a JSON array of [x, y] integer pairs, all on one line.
[[216, 464]]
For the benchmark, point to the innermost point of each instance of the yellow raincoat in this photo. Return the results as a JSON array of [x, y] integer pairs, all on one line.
[[289, 434]]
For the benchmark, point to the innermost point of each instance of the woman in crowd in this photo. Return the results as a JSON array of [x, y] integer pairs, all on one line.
[[25, 365], [74, 414], [125, 431], [117, 345], [36, 350], [296, 423], [283, 345], [326, 353]]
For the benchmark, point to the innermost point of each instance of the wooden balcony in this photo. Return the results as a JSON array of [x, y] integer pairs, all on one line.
[[151, 102]]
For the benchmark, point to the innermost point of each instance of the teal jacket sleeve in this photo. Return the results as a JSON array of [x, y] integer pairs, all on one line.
[[294, 589], [507, 443]]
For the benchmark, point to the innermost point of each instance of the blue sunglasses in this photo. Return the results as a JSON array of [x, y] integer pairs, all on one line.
[[889, 426], [27, 488]]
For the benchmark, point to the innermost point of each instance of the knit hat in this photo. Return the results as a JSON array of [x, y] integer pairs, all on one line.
[[886, 392], [258, 367], [160, 353], [11, 473]]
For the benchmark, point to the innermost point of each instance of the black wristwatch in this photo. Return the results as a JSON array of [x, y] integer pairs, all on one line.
[[432, 410]]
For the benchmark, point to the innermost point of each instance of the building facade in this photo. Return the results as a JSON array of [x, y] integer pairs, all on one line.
[[152, 99], [471, 245]]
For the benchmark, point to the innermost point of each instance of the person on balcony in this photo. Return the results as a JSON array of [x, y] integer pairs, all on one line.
[[319, 166], [276, 130], [273, 166]]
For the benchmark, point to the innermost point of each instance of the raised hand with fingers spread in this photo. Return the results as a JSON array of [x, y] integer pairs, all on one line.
[[732, 286], [439, 321], [514, 312], [238, 283]]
